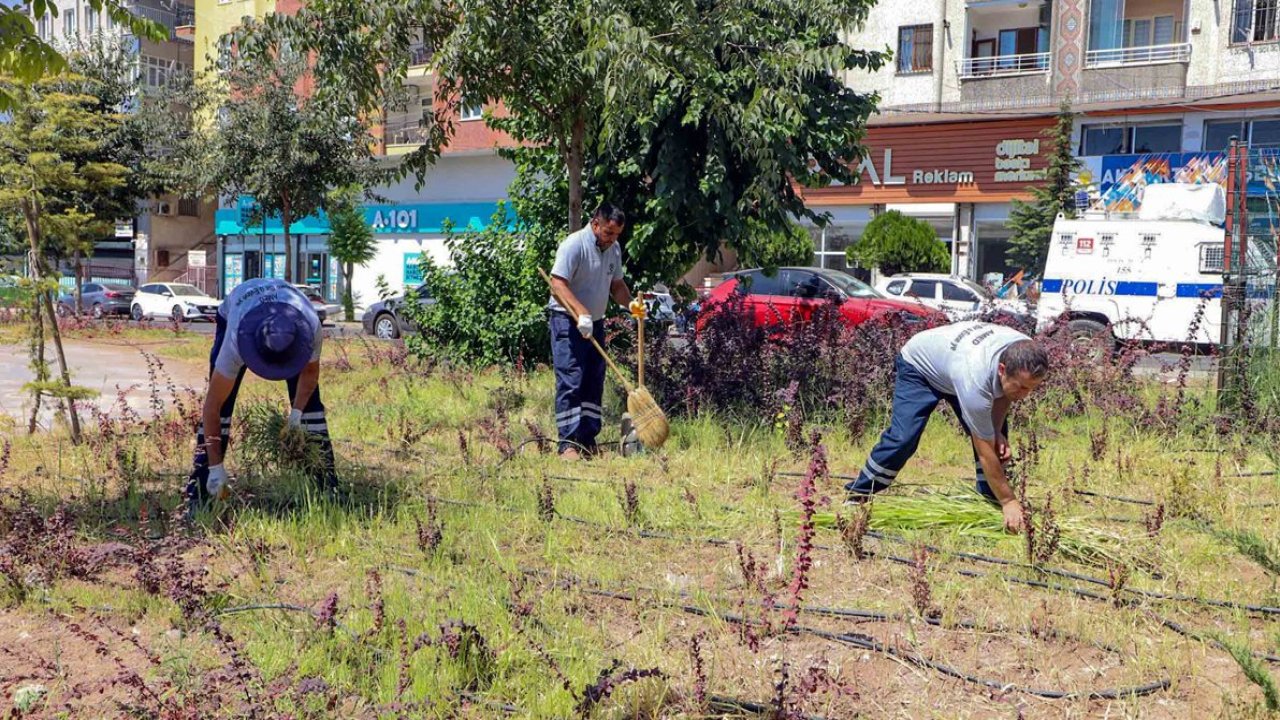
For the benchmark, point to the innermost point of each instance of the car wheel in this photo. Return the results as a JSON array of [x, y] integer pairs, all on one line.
[[385, 327], [97, 311], [1090, 337], [136, 313], [177, 314], [63, 310]]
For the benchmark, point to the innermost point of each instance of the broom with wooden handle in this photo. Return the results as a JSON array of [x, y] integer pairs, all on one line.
[[650, 421]]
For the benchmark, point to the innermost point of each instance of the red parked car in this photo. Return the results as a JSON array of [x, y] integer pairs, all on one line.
[[793, 293]]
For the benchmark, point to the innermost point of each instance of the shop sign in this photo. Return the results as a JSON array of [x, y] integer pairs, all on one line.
[[197, 258], [124, 228], [393, 220], [1013, 158], [1013, 161]]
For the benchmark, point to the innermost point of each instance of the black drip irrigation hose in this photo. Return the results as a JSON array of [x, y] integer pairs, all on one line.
[[1078, 592], [866, 642]]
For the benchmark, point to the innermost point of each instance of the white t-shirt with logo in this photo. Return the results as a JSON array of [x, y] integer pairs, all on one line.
[[964, 360], [244, 298], [589, 271]]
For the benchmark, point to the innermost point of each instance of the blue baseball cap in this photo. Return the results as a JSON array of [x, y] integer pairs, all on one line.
[[275, 340]]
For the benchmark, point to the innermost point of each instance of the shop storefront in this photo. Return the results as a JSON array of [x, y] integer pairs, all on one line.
[[960, 178], [404, 233]]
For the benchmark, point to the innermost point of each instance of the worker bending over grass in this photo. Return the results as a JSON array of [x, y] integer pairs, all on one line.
[[587, 272], [267, 326], [978, 368]]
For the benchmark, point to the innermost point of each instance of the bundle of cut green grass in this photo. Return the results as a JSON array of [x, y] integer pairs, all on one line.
[[269, 443], [971, 515]]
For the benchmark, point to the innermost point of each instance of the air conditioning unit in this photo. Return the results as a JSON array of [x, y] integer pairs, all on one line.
[[166, 209]]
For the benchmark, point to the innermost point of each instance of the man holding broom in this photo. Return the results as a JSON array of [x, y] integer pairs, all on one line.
[[979, 369], [267, 326], [586, 273]]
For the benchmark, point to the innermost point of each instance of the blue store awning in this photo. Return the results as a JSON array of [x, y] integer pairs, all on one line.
[[399, 219]]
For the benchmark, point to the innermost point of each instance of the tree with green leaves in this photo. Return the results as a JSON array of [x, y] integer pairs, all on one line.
[[49, 157], [351, 240], [699, 120], [896, 243], [26, 57], [283, 148], [1032, 223]]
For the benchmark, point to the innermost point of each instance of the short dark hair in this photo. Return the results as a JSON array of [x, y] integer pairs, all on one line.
[[1025, 356], [608, 212]]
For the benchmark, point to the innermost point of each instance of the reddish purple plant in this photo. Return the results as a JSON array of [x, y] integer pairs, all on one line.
[[1154, 521], [609, 680], [807, 495], [921, 594], [327, 615], [546, 501], [699, 672], [431, 533], [377, 603]]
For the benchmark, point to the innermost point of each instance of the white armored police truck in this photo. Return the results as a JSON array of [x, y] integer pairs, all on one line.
[[1142, 276]]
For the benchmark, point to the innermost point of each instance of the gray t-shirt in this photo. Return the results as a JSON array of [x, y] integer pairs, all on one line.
[[588, 269], [964, 360], [247, 296]]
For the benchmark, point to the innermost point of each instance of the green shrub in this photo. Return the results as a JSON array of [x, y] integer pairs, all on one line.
[[489, 300], [896, 243]]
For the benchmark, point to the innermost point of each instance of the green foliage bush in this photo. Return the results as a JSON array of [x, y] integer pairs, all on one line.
[[489, 300], [896, 243]]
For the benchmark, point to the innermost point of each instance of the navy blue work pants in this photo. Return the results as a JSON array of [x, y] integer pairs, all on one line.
[[579, 382], [914, 400]]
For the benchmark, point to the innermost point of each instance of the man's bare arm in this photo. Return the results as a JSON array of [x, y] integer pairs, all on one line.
[[220, 387], [620, 292], [989, 458], [566, 296]]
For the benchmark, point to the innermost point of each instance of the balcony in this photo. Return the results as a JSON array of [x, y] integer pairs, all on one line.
[[1136, 32], [1143, 55], [419, 55], [1004, 65], [179, 16], [1005, 39], [404, 133]]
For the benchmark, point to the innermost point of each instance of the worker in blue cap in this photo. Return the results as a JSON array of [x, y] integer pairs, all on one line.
[[269, 327]]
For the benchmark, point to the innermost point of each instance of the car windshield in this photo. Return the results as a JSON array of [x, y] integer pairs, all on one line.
[[983, 292], [187, 290], [850, 285]]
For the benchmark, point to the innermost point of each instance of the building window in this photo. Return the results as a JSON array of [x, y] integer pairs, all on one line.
[[915, 49], [157, 72], [1255, 21], [1126, 139], [470, 111], [69, 28], [1255, 133], [90, 21], [189, 207], [1212, 256], [43, 28]]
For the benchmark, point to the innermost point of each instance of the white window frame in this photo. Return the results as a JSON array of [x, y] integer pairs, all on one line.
[[70, 28], [468, 112], [154, 72], [1206, 250], [1252, 30]]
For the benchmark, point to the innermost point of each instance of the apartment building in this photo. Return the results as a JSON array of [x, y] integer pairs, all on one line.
[[1159, 85], [462, 189], [165, 227]]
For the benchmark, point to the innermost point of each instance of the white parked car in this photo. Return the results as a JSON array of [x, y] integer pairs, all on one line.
[[960, 298], [177, 301]]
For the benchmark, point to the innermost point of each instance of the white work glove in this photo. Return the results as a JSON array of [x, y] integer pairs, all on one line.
[[295, 418], [585, 326], [218, 485]]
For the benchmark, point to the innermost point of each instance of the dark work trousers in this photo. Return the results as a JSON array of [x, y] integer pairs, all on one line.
[[914, 400], [313, 421], [579, 382]]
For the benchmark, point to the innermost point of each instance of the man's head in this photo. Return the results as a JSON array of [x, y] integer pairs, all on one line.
[[1023, 366], [607, 224]]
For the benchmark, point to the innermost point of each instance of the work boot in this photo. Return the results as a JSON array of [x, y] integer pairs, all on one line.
[[196, 493], [570, 455]]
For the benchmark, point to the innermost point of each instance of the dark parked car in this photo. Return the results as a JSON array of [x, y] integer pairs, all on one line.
[[98, 299], [385, 319]]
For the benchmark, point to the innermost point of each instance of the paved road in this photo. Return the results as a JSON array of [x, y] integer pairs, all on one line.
[[105, 367]]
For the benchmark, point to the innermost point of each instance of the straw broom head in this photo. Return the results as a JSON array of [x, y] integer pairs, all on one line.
[[651, 423]]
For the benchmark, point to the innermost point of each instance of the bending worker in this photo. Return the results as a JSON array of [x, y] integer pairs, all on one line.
[[587, 272], [267, 326], [978, 368]]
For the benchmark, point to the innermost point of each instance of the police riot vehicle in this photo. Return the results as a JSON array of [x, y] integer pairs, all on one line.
[[1144, 276]]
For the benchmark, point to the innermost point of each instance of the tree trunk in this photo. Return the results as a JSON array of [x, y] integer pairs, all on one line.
[[288, 246], [348, 301], [79, 289], [62, 366], [38, 363], [573, 164], [31, 213]]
